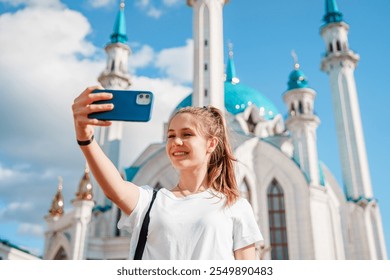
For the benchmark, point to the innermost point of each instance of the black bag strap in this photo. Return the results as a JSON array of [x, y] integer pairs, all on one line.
[[144, 230]]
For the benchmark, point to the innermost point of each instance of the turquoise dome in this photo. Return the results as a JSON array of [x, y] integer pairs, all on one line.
[[239, 97]]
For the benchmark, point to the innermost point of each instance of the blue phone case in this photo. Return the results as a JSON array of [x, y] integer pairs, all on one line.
[[129, 105]]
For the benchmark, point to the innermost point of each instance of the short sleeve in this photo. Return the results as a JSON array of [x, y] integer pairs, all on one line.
[[245, 228], [134, 220]]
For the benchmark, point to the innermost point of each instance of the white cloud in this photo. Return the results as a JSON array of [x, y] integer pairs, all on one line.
[[16, 206], [170, 3], [150, 9], [154, 12], [141, 58], [174, 64], [19, 174], [101, 3], [28, 229], [143, 3], [6, 173], [34, 3], [177, 63], [39, 81]]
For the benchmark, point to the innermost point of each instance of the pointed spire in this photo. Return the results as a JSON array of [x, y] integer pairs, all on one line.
[[295, 57], [231, 69], [296, 78], [119, 33], [332, 13], [57, 206], [85, 186]]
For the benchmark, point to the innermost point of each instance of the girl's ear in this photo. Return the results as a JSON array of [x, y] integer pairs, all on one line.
[[213, 142]]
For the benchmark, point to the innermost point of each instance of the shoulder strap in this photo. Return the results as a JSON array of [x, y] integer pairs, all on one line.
[[144, 230]]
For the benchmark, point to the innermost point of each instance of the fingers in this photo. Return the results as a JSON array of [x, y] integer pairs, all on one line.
[[84, 121], [83, 106], [87, 97], [94, 108], [83, 103], [80, 113]]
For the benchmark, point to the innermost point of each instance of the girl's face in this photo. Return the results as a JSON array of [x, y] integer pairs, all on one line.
[[186, 147]]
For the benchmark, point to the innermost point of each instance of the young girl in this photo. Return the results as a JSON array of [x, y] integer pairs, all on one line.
[[202, 217]]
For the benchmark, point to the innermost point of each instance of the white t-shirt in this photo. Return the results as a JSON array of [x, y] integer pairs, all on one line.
[[194, 227]]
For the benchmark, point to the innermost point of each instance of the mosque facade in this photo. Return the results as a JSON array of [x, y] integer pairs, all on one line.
[[301, 209]]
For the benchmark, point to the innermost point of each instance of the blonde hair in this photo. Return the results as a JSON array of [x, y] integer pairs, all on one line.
[[220, 171]]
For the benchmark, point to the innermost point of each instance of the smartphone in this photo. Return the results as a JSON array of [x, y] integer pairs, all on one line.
[[129, 105]]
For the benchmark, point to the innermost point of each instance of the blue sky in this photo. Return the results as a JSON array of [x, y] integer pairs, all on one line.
[[51, 50]]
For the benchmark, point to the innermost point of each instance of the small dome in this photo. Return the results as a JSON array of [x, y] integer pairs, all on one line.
[[297, 79], [239, 97]]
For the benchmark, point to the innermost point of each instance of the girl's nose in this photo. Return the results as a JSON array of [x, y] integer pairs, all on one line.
[[177, 141]]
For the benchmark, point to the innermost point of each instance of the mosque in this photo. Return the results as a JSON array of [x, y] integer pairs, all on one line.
[[302, 211]]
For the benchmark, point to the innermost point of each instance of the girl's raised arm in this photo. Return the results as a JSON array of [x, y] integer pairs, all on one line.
[[124, 194]]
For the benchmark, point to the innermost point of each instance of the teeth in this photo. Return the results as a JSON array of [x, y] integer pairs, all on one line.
[[179, 154]]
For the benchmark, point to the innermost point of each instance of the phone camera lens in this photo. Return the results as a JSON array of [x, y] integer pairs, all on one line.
[[141, 96], [147, 96]]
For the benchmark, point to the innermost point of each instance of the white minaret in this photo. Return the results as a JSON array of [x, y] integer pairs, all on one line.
[[340, 63], [208, 83], [114, 76], [303, 123]]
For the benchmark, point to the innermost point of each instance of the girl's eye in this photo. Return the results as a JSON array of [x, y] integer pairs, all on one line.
[[187, 134], [171, 136]]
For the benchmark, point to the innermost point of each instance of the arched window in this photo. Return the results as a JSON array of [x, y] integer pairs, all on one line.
[[292, 110], [277, 222], [330, 47], [338, 45], [300, 107], [61, 254]]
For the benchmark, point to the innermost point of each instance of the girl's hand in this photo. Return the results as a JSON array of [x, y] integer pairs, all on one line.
[[82, 107]]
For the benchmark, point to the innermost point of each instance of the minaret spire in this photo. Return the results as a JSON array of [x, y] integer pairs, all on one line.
[[119, 33], [230, 68], [297, 78], [295, 57], [332, 13], [85, 187], [57, 206]]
